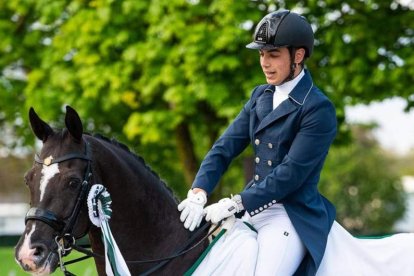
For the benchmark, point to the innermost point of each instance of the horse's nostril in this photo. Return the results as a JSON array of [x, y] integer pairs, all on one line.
[[39, 250]]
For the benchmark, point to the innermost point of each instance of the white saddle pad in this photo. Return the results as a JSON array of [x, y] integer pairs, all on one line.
[[346, 255], [235, 254]]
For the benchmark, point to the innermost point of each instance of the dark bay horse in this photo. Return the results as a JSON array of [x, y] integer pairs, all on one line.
[[145, 221]]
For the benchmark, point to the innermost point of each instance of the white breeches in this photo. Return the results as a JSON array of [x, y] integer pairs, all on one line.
[[280, 248]]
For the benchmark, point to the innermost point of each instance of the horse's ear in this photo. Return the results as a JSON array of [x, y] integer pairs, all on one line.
[[73, 124], [41, 129]]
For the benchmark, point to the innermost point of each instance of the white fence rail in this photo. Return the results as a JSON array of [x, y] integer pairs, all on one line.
[[12, 218]]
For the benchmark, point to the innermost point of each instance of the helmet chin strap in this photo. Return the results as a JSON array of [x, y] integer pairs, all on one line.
[[293, 65]]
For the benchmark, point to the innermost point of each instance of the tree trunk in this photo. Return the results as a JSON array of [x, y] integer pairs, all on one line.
[[185, 148]]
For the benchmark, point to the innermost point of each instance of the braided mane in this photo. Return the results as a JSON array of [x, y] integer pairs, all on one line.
[[141, 160]]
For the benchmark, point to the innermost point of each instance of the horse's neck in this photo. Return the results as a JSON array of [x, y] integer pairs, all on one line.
[[145, 221], [95, 238]]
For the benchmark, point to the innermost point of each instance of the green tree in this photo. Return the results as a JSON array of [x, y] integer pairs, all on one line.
[[405, 164], [166, 76], [361, 182]]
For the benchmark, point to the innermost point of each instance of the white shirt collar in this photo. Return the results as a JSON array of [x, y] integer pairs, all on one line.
[[282, 91], [288, 86]]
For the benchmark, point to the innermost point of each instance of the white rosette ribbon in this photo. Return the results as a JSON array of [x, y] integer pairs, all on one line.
[[99, 210]]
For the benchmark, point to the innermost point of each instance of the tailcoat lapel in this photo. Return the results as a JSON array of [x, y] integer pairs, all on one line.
[[264, 103], [283, 109], [296, 98]]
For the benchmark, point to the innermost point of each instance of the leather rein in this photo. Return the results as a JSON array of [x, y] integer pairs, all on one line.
[[65, 239]]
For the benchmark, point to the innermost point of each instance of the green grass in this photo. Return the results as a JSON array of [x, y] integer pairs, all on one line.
[[9, 267]]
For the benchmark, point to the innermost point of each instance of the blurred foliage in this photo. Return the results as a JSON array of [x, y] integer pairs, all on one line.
[[404, 164], [167, 76], [362, 183]]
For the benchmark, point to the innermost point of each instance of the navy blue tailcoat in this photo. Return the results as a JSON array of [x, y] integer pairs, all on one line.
[[290, 144]]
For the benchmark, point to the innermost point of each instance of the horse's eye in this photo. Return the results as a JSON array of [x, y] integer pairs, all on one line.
[[74, 182]]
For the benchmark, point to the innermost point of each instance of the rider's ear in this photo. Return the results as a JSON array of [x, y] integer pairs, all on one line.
[[41, 129], [73, 124]]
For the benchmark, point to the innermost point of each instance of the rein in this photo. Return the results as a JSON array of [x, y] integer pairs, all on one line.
[[162, 261]]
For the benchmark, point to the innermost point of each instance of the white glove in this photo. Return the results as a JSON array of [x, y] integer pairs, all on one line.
[[192, 209], [225, 208]]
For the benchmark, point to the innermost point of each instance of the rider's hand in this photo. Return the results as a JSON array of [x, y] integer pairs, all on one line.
[[191, 209], [225, 208]]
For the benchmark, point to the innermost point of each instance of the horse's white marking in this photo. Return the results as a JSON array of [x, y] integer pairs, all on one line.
[[28, 259], [48, 172], [25, 252]]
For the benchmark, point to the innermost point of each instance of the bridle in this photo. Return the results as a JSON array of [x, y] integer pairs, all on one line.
[[64, 226], [65, 239]]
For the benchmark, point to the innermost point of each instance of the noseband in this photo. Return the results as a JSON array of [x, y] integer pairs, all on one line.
[[62, 226]]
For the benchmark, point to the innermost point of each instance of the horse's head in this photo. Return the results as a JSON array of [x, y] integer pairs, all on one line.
[[58, 184]]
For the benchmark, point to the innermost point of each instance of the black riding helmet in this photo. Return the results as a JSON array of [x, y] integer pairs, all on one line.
[[283, 29]]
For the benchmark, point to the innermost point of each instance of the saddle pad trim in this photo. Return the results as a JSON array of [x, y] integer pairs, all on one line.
[[204, 254]]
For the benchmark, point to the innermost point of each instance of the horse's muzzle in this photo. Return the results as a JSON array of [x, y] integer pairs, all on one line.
[[37, 260]]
